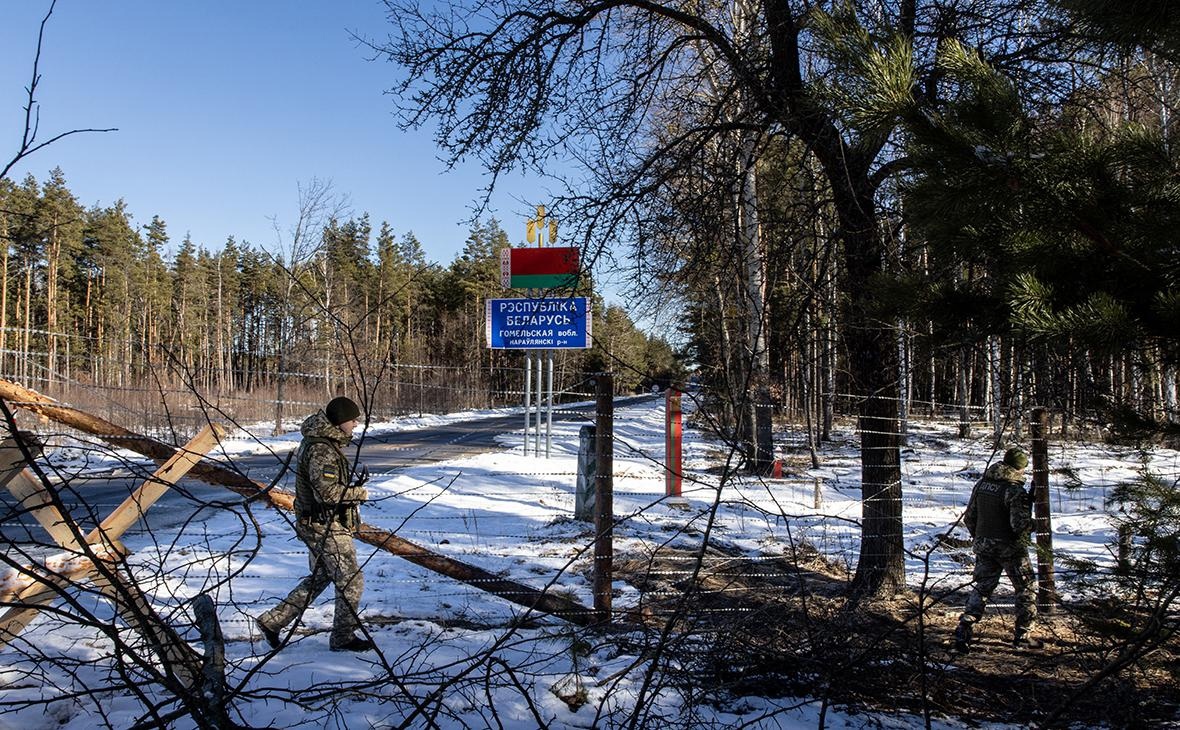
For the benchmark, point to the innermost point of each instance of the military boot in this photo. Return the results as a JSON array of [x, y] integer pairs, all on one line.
[[356, 643], [271, 635], [1023, 639], [963, 634]]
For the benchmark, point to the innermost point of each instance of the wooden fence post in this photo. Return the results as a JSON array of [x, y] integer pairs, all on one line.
[[1046, 584], [763, 432], [604, 517]]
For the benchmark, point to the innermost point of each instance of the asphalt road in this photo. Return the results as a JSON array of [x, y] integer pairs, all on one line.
[[91, 495]]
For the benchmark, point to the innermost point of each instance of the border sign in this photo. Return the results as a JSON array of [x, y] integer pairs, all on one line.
[[558, 323]]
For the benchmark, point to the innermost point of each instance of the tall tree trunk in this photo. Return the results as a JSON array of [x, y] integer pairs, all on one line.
[[932, 360], [28, 324], [1137, 391], [904, 369], [995, 391], [53, 253], [807, 381], [829, 343], [963, 392], [730, 414], [904, 381], [4, 294], [1018, 391], [1171, 407], [872, 348], [219, 335], [758, 396], [127, 345]]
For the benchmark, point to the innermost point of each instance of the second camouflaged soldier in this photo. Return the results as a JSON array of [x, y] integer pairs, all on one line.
[[327, 514], [999, 518]]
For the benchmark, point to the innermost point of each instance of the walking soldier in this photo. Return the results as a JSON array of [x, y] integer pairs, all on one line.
[[999, 518], [327, 514]]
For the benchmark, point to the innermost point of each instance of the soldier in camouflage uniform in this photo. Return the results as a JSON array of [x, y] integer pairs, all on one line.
[[326, 516], [999, 518]]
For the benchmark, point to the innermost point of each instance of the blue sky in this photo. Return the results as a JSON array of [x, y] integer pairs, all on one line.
[[223, 108]]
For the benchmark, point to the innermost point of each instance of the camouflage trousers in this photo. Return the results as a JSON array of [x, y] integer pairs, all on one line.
[[992, 561], [332, 557]]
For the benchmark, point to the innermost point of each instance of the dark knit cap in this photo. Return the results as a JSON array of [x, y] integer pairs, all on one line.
[[1016, 458], [341, 409]]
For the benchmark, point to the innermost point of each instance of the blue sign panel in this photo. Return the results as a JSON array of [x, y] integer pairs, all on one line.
[[559, 323]]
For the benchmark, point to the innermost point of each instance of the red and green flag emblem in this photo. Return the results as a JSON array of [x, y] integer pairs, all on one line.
[[539, 268]]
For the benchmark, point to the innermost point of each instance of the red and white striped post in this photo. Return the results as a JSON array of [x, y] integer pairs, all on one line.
[[673, 443]]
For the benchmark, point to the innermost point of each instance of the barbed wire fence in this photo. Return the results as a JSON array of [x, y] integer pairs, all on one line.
[[740, 589]]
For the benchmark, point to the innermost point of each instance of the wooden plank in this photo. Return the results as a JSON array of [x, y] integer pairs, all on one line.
[[28, 592], [11, 460], [33, 496], [135, 506], [29, 587], [21, 585], [130, 603], [34, 586]]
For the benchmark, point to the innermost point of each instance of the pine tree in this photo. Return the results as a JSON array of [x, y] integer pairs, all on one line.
[[110, 249], [20, 256], [224, 280], [59, 223], [1150, 24], [187, 294], [1053, 214]]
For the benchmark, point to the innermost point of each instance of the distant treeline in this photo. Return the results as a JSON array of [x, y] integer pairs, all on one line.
[[88, 297]]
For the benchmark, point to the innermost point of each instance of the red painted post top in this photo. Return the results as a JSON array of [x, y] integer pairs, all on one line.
[[673, 443]]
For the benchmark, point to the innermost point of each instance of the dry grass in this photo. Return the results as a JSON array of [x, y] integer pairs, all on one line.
[[786, 628]]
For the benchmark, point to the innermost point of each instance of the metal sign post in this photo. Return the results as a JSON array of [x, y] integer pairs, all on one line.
[[528, 403], [549, 413], [536, 444]]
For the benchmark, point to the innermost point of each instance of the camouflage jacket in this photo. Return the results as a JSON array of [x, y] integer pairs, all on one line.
[[323, 494], [999, 512]]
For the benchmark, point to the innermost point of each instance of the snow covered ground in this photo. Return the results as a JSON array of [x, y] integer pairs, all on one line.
[[510, 513]]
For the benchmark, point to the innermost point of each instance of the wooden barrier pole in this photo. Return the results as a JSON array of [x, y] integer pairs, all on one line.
[[213, 473], [1046, 584], [604, 511], [103, 559]]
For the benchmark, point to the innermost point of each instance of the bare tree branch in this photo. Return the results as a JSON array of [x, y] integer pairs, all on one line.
[[29, 144]]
